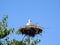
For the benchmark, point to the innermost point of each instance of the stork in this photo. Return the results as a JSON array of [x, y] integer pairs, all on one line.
[[29, 22]]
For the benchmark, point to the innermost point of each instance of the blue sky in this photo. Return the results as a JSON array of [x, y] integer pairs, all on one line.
[[42, 12]]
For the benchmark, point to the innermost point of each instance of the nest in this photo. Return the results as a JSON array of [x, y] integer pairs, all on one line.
[[30, 30]]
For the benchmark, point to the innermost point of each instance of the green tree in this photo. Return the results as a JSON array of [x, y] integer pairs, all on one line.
[[4, 31]]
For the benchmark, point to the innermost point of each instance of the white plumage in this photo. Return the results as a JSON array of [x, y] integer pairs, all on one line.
[[29, 22]]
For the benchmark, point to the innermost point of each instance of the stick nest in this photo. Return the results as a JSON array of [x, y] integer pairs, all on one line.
[[31, 30]]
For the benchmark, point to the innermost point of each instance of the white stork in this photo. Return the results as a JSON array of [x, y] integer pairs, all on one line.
[[29, 22]]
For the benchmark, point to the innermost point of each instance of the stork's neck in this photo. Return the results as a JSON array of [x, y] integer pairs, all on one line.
[[29, 22]]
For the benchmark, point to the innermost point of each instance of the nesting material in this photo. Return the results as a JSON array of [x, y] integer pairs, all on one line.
[[30, 30]]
